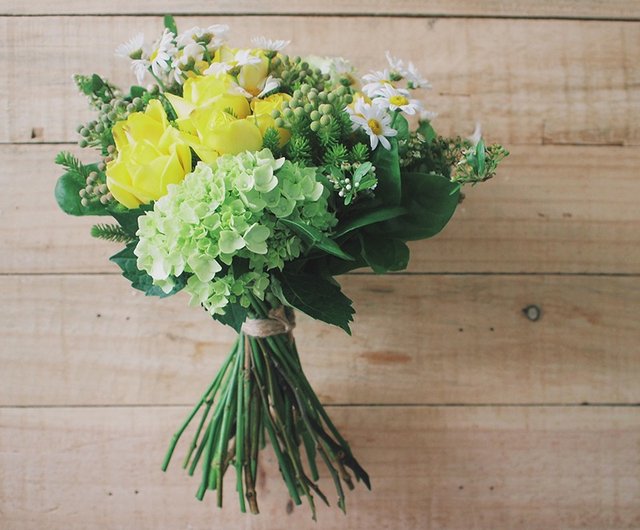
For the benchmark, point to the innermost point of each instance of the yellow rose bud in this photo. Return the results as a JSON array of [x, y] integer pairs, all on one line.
[[262, 110], [151, 155], [220, 133]]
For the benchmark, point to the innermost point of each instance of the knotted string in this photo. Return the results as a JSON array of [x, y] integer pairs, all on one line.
[[278, 323]]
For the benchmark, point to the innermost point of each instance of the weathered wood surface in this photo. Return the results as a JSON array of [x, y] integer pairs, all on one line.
[[597, 9], [529, 81], [465, 412], [451, 468], [73, 340], [550, 209]]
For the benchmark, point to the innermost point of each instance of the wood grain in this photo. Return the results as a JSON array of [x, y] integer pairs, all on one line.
[[550, 209], [611, 9], [450, 468], [80, 340], [529, 81]]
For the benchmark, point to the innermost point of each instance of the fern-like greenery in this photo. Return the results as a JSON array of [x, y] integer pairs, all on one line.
[[75, 168], [111, 232]]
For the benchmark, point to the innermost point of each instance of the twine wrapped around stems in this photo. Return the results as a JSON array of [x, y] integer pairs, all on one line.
[[278, 323]]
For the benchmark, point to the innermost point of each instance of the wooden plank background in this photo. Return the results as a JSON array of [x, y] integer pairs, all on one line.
[[467, 414]]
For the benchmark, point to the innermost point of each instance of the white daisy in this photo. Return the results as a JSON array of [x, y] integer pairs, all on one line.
[[244, 57], [427, 115], [375, 81], [162, 52], [270, 83], [397, 65], [133, 48], [211, 37], [414, 79], [186, 60], [397, 99], [270, 45], [140, 68], [218, 68], [375, 121]]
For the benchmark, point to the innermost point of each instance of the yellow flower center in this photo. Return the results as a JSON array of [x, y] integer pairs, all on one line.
[[153, 56], [398, 100], [375, 126]]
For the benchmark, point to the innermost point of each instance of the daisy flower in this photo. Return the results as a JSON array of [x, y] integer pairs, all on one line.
[[133, 48], [414, 79], [160, 57], [397, 99], [211, 37], [140, 68], [375, 81], [186, 60], [218, 68], [270, 45], [375, 121], [427, 115], [244, 57], [397, 65]]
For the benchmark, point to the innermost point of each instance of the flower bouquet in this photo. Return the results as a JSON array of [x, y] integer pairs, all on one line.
[[250, 179]]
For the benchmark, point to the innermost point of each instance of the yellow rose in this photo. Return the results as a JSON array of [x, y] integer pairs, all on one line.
[[262, 110], [151, 154], [213, 119]]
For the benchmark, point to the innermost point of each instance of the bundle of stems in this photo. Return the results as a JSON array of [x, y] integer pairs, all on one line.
[[260, 394]]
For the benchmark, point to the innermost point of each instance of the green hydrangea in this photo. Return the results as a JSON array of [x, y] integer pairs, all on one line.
[[228, 211]]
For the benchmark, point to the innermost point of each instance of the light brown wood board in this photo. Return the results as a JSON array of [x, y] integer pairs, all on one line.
[[450, 468], [529, 81]]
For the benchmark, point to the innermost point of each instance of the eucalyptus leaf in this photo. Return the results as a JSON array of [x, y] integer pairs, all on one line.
[[317, 296], [314, 238]]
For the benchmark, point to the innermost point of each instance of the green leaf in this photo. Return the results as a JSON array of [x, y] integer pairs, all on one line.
[[170, 24], [96, 83], [234, 316], [126, 260], [430, 200], [319, 297], [401, 125], [314, 238], [128, 219], [137, 91], [427, 131], [384, 254], [387, 165], [369, 218], [67, 193]]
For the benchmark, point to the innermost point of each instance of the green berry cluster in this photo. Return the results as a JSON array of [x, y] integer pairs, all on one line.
[[294, 73], [317, 121], [95, 190]]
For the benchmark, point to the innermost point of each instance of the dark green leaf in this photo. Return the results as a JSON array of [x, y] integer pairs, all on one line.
[[314, 238], [96, 83], [234, 316], [427, 131], [387, 165], [128, 219], [384, 254], [137, 91], [430, 200], [67, 193], [317, 296], [170, 24], [401, 125], [126, 260], [369, 218]]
